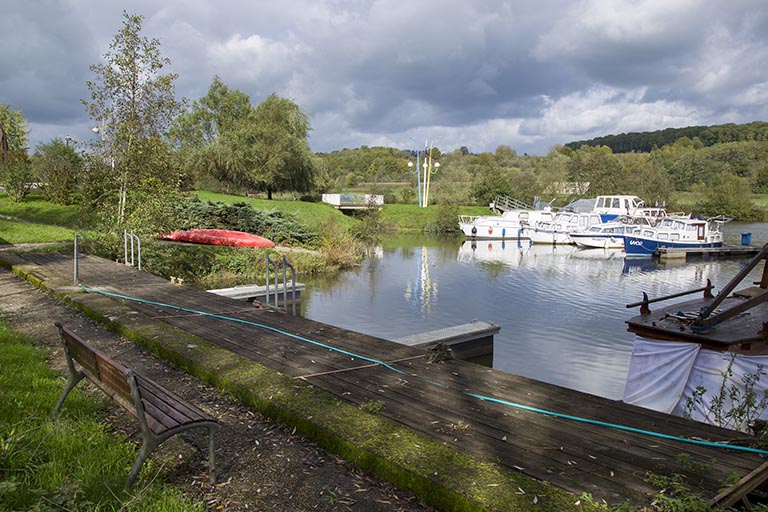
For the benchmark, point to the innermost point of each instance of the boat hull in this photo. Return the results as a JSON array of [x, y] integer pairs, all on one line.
[[224, 237], [597, 242], [641, 246]]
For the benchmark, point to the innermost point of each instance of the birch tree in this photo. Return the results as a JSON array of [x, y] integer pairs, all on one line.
[[132, 104]]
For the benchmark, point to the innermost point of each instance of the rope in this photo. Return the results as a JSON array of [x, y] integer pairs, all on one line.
[[473, 395]]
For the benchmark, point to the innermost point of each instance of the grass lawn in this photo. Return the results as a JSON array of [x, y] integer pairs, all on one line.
[[35, 208], [20, 232], [73, 462]]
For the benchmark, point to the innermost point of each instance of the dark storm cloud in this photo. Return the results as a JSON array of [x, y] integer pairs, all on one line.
[[476, 74]]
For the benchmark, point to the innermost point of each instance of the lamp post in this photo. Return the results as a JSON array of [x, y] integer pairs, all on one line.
[[418, 175], [428, 171]]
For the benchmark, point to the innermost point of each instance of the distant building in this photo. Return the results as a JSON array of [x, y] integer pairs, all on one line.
[[567, 188]]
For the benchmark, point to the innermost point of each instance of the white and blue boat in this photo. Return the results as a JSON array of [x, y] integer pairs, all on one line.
[[610, 235], [691, 232]]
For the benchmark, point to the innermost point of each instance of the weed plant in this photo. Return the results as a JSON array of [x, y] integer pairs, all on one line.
[[72, 462]]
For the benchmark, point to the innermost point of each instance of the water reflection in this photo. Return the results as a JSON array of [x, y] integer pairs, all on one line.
[[421, 292], [561, 309]]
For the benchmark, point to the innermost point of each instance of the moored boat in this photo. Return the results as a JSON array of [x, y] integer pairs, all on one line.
[[226, 237], [508, 225], [691, 232], [610, 235], [706, 354], [557, 231]]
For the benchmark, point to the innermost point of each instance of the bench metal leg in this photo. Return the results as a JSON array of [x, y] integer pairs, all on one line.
[[152, 441], [212, 454], [74, 379]]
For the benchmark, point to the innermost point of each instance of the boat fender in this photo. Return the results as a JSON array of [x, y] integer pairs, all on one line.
[[503, 232], [474, 230], [490, 230]]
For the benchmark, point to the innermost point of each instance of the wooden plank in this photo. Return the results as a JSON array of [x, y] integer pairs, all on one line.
[[739, 491]]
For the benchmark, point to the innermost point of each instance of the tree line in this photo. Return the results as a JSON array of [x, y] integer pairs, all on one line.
[[645, 142]]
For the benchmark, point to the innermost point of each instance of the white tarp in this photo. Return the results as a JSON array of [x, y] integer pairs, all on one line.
[[685, 380], [658, 373]]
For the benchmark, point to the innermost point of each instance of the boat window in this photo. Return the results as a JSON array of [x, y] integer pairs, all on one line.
[[616, 203], [647, 233], [600, 202], [679, 225], [675, 236], [663, 236], [523, 216]]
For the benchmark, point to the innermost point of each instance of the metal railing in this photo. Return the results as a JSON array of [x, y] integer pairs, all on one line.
[[135, 248], [504, 203], [77, 260], [272, 264]]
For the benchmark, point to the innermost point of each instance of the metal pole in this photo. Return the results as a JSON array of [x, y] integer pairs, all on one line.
[[125, 246], [77, 265], [285, 286], [418, 176]]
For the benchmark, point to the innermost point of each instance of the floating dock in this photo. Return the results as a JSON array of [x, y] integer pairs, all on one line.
[[732, 251], [455, 433], [252, 292], [469, 342]]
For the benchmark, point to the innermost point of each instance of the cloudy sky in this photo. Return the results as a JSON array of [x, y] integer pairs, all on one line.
[[476, 73]]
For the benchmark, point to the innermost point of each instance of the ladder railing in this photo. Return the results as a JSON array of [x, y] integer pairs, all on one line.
[[272, 264], [135, 248]]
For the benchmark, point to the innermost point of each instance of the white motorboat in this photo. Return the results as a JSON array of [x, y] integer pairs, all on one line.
[[508, 225], [557, 231], [610, 235]]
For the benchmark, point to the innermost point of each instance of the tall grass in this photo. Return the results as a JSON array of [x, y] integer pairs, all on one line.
[[70, 463]]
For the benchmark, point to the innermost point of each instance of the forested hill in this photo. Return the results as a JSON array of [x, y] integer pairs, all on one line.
[[644, 142]]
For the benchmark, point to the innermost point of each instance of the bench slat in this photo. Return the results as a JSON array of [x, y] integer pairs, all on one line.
[[169, 403], [113, 376]]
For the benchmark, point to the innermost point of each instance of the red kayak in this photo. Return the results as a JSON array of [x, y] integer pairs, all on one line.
[[218, 237]]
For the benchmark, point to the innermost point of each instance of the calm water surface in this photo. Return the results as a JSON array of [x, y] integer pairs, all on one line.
[[561, 310]]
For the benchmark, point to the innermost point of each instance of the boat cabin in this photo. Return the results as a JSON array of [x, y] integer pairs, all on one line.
[[610, 207]]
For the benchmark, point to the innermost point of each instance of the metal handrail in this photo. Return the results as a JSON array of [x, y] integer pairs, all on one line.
[[285, 265], [134, 249]]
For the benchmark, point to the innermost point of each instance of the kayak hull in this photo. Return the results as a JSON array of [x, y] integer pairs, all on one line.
[[226, 237]]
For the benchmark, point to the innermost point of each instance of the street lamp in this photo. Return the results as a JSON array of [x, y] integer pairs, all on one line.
[[428, 171], [418, 175]]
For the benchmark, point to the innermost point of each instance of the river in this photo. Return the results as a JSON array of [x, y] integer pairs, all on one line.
[[561, 310]]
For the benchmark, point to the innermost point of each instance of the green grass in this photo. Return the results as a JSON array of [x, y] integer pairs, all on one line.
[[36, 209], [19, 232], [73, 462], [314, 215]]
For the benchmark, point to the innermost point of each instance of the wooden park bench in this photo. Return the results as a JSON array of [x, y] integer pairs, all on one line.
[[161, 414]]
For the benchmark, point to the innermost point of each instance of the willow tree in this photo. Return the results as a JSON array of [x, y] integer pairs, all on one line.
[[132, 104], [275, 155]]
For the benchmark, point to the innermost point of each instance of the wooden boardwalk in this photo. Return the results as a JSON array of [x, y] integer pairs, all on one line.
[[435, 399]]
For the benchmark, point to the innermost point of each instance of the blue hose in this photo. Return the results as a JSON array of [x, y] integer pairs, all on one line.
[[473, 395]]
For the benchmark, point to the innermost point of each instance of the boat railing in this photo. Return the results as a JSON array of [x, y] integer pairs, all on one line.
[[645, 310], [468, 219], [505, 203]]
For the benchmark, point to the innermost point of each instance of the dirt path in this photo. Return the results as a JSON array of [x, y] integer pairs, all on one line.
[[260, 464]]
